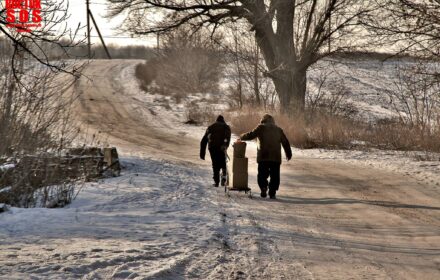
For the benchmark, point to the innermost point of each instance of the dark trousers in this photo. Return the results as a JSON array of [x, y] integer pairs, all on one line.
[[218, 158], [266, 169]]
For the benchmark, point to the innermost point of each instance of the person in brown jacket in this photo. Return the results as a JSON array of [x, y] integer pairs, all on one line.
[[270, 138], [217, 137]]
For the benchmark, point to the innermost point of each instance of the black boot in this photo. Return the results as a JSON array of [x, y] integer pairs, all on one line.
[[272, 194], [263, 193], [223, 182]]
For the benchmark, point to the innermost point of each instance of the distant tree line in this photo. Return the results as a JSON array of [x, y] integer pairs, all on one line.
[[64, 50]]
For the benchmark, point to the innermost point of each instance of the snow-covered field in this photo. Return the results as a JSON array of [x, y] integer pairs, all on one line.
[[340, 214], [364, 80]]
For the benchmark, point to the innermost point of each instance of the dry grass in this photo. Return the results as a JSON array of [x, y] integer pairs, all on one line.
[[339, 132], [399, 136]]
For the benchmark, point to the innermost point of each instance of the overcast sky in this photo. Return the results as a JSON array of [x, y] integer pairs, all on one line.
[[108, 27]]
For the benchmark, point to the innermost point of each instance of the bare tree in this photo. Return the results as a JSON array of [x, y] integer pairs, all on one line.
[[407, 26], [292, 35], [34, 106], [246, 56], [35, 43], [188, 62]]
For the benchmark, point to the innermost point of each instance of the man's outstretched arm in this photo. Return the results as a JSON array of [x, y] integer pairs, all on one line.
[[286, 145], [251, 135], [203, 145]]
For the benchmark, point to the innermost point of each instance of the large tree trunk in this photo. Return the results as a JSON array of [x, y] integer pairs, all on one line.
[[291, 90], [287, 67], [290, 82], [299, 87]]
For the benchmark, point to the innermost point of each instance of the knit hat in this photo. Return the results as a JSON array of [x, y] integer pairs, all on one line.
[[220, 118], [267, 119]]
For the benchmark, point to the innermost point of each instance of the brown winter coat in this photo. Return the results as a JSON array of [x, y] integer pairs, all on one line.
[[270, 138]]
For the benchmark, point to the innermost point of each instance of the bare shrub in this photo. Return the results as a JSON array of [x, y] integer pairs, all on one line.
[[416, 97], [188, 71], [330, 96], [146, 73], [187, 63], [35, 117], [200, 114], [55, 196]]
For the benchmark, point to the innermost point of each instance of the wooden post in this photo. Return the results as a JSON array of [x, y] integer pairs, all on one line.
[[111, 159]]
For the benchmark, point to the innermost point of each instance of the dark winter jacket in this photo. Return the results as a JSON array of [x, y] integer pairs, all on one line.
[[217, 136], [270, 138]]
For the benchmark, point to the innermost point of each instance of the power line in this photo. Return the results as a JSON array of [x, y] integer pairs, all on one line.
[[115, 37]]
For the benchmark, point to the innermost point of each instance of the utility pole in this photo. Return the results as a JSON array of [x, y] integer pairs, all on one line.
[[100, 36], [89, 45], [89, 30]]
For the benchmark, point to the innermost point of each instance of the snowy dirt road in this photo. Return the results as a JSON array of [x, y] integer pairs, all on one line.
[[161, 220]]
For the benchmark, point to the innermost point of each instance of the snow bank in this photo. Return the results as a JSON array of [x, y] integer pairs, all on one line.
[[152, 221]]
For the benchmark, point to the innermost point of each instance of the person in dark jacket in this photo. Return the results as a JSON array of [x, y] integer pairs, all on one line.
[[270, 138], [217, 138]]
